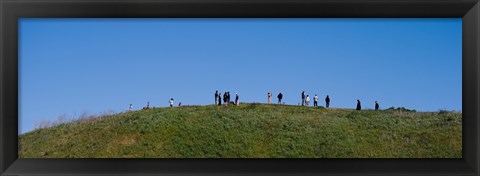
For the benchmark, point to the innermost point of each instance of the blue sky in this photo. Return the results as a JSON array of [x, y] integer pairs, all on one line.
[[74, 66]]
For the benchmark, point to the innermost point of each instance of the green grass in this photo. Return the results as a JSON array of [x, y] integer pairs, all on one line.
[[251, 131]]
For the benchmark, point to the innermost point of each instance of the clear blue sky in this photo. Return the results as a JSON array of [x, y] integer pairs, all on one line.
[[72, 66]]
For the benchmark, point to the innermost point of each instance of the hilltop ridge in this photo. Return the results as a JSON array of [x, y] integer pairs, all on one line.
[[251, 131]]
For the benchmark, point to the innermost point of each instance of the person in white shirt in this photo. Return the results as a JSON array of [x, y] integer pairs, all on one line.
[[307, 100], [269, 95], [171, 102], [315, 100], [131, 107]]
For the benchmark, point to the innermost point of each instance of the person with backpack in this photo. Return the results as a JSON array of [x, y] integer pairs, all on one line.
[[359, 107], [236, 99], [315, 100], [280, 96], [303, 98], [327, 101]]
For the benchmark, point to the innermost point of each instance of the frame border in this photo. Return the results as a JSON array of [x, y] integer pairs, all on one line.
[[11, 10]]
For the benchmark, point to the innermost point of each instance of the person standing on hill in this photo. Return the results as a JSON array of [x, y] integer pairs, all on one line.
[[236, 99], [219, 98], [216, 97], [171, 102], [303, 98], [376, 106], [327, 101], [228, 98], [307, 100], [269, 95], [131, 107], [315, 100], [280, 96], [225, 98], [359, 107]]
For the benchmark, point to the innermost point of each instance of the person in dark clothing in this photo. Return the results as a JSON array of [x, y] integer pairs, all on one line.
[[216, 97], [327, 101], [219, 98], [359, 107], [376, 106], [280, 96], [228, 98], [236, 99], [303, 98], [225, 98]]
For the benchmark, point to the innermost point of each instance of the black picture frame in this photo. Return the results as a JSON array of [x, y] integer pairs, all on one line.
[[11, 10]]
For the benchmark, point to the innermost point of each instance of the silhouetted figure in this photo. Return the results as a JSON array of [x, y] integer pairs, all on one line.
[[171, 102], [216, 97], [315, 100], [236, 99], [303, 98], [269, 95], [225, 98], [376, 106], [359, 107], [327, 101], [280, 96], [219, 98], [180, 104]]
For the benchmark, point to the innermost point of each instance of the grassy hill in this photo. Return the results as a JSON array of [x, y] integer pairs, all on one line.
[[251, 131]]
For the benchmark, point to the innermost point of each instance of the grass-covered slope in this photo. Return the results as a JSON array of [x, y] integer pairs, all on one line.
[[251, 131]]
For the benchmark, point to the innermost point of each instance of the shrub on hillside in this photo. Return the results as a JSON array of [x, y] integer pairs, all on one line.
[[401, 109]]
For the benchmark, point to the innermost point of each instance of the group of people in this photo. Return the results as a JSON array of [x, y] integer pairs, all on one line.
[[279, 96], [306, 100], [226, 98], [359, 106]]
